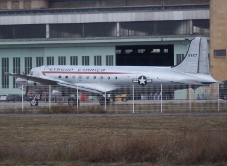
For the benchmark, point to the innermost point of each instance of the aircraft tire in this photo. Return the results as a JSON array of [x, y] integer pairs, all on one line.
[[34, 102], [71, 102]]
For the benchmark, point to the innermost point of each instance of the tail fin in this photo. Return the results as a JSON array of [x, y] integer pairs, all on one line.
[[196, 59]]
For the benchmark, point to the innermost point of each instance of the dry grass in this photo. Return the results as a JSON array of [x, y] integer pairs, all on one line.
[[123, 140], [62, 108]]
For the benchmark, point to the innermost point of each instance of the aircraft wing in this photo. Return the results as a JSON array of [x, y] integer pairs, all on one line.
[[188, 82], [41, 80], [97, 89]]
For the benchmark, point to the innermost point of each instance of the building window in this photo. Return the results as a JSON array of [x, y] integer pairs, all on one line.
[[28, 64], [3, 5], [128, 51], [16, 69], [73, 60], [85, 60], [15, 4], [109, 60], [5, 69], [141, 51], [61, 60], [166, 50], [39, 61], [220, 53], [98, 61], [50, 60], [180, 57], [156, 51], [118, 51], [27, 4]]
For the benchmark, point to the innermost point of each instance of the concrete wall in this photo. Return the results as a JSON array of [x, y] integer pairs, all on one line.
[[218, 36]]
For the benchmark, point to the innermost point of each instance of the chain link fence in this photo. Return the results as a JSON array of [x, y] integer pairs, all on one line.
[[127, 99]]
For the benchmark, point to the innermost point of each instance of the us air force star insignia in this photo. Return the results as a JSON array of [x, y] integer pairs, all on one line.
[[142, 80]]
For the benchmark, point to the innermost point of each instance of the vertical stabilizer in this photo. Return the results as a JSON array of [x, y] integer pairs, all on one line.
[[196, 60], [204, 63]]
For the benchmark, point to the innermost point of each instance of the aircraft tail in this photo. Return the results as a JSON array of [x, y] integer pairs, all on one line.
[[196, 60]]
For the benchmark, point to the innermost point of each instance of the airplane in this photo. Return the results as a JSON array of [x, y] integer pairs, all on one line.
[[194, 70]]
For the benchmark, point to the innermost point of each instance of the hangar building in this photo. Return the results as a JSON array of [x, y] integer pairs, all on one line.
[[98, 32]]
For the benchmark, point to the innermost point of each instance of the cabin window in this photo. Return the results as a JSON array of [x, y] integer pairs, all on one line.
[[101, 77], [108, 77], [115, 77], [94, 77], [73, 77], [59, 76], [66, 76], [87, 77]]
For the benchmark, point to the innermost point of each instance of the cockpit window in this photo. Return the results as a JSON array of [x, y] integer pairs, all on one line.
[[31, 73]]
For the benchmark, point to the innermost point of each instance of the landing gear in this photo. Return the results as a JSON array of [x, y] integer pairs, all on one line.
[[34, 102], [108, 100], [72, 100]]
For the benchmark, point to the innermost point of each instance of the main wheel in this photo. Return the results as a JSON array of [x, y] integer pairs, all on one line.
[[71, 102], [33, 102]]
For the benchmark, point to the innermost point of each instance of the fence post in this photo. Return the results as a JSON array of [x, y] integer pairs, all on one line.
[[22, 97], [77, 97], [133, 101], [161, 97], [218, 98], [49, 97], [105, 99], [189, 97]]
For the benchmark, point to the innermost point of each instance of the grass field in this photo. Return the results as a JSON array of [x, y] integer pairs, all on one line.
[[161, 140]]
